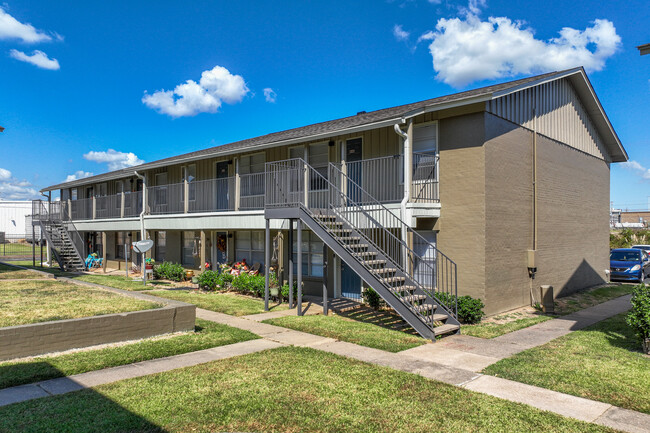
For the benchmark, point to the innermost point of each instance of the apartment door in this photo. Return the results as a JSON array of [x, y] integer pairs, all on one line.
[[222, 196], [425, 267], [353, 155], [89, 203], [219, 248], [350, 282]]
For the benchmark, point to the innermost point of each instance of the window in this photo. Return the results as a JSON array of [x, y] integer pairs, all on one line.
[[189, 175], [424, 152], [73, 193], [312, 254], [252, 164], [249, 245], [160, 196], [189, 248], [319, 159], [102, 192], [120, 241], [65, 194], [161, 246]]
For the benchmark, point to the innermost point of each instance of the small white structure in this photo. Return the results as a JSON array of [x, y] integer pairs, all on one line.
[[12, 217]]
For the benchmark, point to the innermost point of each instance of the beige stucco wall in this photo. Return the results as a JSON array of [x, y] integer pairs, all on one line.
[[462, 194]]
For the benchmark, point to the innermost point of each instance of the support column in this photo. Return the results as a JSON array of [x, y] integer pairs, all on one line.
[[33, 246], [237, 185], [186, 193], [325, 308], [267, 262], [306, 177], [123, 201], [299, 228], [202, 253], [49, 253], [94, 201], [104, 241], [290, 261]]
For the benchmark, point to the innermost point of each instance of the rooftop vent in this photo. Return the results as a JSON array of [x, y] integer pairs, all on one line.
[[361, 112]]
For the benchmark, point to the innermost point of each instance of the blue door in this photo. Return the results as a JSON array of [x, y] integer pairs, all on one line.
[[350, 282], [353, 159]]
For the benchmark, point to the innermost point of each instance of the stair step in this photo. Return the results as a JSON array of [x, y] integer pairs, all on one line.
[[350, 239], [340, 230], [439, 317], [393, 280], [445, 329], [413, 298], [374, 262], [401, 289], [425, 307], [384, 270], [358, 246], [365, 254]]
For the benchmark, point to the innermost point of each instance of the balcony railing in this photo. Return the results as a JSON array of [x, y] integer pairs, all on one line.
[[380, 178]]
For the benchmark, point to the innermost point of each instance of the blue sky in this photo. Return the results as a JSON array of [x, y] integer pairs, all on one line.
[[83, 78]]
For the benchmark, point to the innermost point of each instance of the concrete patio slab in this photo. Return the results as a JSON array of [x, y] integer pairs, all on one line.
[[563, 404]]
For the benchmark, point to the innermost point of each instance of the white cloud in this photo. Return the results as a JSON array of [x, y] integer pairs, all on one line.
[[11, 28], [469, 49], [634, 166], [115, 160], [216, 86], [14, 189], [80, 174], [38, 58], [399, 33], [270, 95]]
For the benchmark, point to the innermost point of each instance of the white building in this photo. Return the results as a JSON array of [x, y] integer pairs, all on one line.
[[12, 217]]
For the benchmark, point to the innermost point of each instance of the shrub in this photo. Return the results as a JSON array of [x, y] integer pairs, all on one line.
[[209, 280], [639, 317], [470, 310], [249, 284], [169, 271], [372, 298]]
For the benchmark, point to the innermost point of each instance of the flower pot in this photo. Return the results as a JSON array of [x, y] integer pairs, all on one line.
[[189, 274], [148, 266], [195, 280]]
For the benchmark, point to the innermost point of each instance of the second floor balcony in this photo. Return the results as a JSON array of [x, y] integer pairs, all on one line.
[[381, 178]]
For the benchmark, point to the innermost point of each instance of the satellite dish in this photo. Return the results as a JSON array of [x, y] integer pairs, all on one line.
[[142, 246]]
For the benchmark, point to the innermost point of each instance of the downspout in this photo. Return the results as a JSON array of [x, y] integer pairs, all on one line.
[[144, 204], [408, 166]]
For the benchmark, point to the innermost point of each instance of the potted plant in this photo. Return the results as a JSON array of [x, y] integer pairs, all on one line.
[[148, 263]]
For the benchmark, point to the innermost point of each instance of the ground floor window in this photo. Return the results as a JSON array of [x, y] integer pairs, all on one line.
[[161, 246], [189, 248], [312, 254], [249, 245]]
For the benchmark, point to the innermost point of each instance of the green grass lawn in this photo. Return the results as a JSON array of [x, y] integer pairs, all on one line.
[[10, 272], [509, 322], [282, 390], [228, 303], [207, 335], [32, 301], [602, 362], [352, 331]]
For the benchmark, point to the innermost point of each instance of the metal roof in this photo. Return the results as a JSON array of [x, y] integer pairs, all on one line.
[[365, 121]]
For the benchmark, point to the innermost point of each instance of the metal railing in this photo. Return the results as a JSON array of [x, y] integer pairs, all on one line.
[[251, 191], [56, 214], [109, 206], [166, 199], [424, 184], [294, 183], [215, 195], [382, 177]]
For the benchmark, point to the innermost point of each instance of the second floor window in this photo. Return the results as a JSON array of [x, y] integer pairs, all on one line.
[[189, 175]]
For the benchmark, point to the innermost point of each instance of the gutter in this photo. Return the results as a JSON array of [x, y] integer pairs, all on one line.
[[407, 173], [144, 204]]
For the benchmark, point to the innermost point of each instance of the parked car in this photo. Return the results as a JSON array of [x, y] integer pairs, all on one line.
[[629, 264], [645, 248]]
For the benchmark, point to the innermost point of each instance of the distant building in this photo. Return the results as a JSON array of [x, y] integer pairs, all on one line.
[[644, 49], [12, 217]]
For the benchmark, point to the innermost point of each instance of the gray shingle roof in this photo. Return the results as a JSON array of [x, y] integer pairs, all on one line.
[[331, 127]]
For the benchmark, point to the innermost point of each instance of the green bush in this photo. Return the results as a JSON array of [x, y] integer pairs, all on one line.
[[372, 298], [639, 316], [169, 271], [209, 280], [470, 310], [249, 284]]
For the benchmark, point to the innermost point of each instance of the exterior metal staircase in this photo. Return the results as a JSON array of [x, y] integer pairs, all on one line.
[[62, 236], [369, 238]]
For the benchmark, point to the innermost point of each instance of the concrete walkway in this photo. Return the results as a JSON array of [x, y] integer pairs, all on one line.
[[474, 354]]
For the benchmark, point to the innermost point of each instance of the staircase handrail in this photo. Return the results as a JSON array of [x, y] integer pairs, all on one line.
[[299, 165], [62, 217]]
